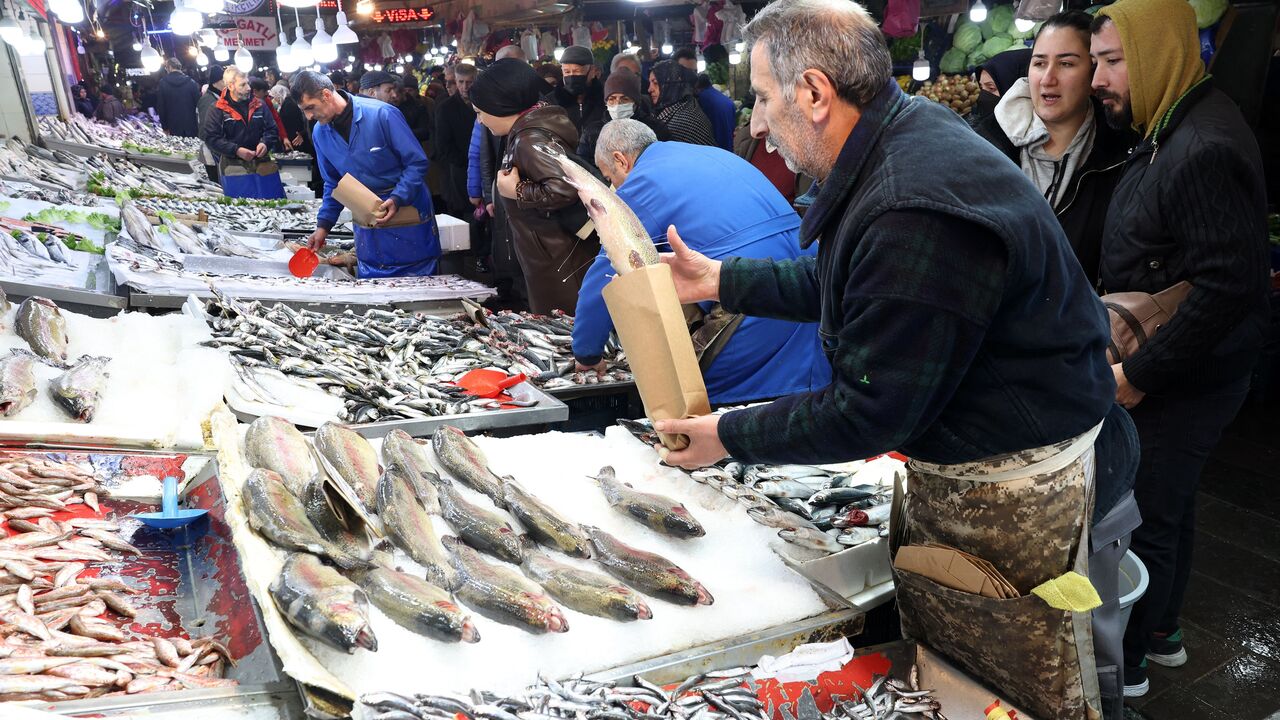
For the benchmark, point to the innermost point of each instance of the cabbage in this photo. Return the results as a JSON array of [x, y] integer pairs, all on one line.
[[1030, 33], [977, 57], [967, 38], [988, 32], [1208, 12], [1001, 18], [996, 45], [1017, 45], [952, 61]]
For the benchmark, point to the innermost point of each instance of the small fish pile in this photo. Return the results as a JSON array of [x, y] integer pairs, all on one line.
[[59, 641], [27, 162], [541, 346], [132, 133], [811, 507], [261, 218], [115, 176], [61, 196], [25, 253]]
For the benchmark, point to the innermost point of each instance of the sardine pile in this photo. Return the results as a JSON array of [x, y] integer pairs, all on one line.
[[327, 513], [112, 175], [132, 133], [57, 197], [232, 218], [63, 630], [811, 507]]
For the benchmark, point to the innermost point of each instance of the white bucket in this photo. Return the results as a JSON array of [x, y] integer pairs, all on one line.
[[1133, 584]]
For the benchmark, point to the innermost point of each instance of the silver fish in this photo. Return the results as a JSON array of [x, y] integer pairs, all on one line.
[[79, 389], [40, 323], [17, 382]]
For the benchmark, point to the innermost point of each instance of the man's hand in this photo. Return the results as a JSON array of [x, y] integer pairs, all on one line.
[[1126, 394], [697, 276], [489, 209], [316, 241], [244, 154], [476, 202], [260, 150], [297, 140], [507, 182], [598, 368], [385, 211], [288, 146], [704, 448]]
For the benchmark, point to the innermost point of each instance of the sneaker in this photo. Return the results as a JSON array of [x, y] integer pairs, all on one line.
[[1167, 649], [1135, 681]]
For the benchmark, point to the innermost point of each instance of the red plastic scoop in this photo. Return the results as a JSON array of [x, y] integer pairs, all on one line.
[[304, 262], [487, 383]]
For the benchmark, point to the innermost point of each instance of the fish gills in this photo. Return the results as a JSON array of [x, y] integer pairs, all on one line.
[[273, 443], [656, 512], [79, 389], [317, 600], [410, 528], [41, 324], [544, 524], [276, 514], [502, 594], [648, 572], [587, 592], [465, 461], [417, 605]]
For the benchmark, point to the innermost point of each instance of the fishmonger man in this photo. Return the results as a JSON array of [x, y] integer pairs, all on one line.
[[371, 141]]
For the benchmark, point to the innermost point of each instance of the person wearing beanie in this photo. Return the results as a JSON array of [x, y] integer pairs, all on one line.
[[671, 88], [553, 238], [379, 85], [622, 99], [212, 91], [581, 94], [1190, 206]]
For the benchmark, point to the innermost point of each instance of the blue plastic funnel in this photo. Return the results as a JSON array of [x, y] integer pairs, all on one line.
[[170, 516]]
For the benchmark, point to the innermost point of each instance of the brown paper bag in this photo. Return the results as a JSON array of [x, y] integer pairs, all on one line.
[[363, 204], [650, 324]]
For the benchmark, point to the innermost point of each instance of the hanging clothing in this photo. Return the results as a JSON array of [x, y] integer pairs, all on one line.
[[380, 151]]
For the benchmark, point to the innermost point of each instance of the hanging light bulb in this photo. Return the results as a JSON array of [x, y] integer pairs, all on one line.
[[377, 67], [1023, 24], [558, 52], [702, 63], [137, 46], [221, 54], [244, 60], [399, 69], [185, 20], [79, 47], [351, 59], [207, 37], [348, 67], [284, 58], [151, 59], [344, 35], [202, 60], [99, 33], [454, 43], [920, 69], [735, 57], [364, 7], [299, 3], [192, 50], [667, 48], [301, 50], [630, 44], [741, 46], [208, 7], [323, 47], [68, 11], [978, 12], [10, 31], [408, 58]]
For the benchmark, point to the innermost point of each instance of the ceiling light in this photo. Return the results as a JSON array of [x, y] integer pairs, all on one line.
[[244, 60], [558, 52], [301, 50], [978, 12], [284, 58], [667, 48], [735, 57], [151, 59], [344, 35], [185, 20], [323, 47], [10, 31], [202, 60], [299, 3], [920, 70], [364, 7], [1023, 24], [221, 54]]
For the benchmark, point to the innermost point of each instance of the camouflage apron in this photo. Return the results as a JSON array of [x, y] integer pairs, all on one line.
[[1027, 513]]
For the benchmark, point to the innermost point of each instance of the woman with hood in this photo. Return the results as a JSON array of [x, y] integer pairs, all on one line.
[[1050, 125], [622, 101], [995, 77], [550, 231], [671, 90]]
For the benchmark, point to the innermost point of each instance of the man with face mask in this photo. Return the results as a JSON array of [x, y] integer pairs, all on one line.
[[1190, 206], [240, 132], [665, 184], [622, 100], [582, 95], [960, 330]]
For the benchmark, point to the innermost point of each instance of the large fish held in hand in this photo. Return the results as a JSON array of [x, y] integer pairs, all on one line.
[[40, 323], [656, 512], [647, 572], [623, 236], [317, 600], [502, 594], [79, 389]]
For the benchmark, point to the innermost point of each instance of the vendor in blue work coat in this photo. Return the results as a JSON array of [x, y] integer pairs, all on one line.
[[666, 183], [371, 141], [241, 134]]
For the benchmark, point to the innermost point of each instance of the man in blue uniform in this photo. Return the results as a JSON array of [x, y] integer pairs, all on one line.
[[371, 141], [667, 183]]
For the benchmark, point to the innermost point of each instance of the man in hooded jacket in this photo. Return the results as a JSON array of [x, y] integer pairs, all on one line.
[[177, 98], [1190, 205]]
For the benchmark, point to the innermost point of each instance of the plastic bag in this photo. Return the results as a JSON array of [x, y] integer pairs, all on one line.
[[901, 18], [699, 19]]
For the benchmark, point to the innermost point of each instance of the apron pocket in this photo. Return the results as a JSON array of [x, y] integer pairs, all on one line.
[[1022, 647]]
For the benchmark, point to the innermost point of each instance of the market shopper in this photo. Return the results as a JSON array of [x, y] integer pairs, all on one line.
[[212, 92], [110, 109], [241, 133], [370, 141], [261, 89], [930, 288], [454, 122], [582, 94], [1190, 206], [744, 359], [84, 105], [543, 212], [995, 77], [176, 101], [671, 91], [623, 100], [719, 109], [1051, 126]]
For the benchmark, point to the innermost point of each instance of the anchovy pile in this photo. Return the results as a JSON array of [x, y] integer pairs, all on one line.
[[811, 507], [112, 175], [59, 641], [55, 197], [234, 218], [131, 133]]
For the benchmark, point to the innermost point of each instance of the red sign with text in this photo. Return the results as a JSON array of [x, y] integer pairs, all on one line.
[[396, 16]]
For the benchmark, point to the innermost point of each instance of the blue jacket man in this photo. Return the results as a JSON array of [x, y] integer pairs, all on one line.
[[371, 141], [667, 183], [720, 110]]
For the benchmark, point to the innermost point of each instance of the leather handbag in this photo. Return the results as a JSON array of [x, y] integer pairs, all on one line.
[[1137, 316]]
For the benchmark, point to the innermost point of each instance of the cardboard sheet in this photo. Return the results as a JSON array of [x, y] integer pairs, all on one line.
[[952, 568], [363, 204]]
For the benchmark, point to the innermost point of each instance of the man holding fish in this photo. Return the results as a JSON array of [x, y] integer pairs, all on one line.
[[960, 331]]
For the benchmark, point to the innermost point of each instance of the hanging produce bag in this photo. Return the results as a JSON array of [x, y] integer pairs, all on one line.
[[901, 18], [651, 326]]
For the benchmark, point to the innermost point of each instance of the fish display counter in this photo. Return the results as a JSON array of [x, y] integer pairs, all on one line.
[[677, 566]]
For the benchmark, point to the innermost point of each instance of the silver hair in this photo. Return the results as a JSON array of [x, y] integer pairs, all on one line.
[[629, 137], [621, 58], [230, 73], [836, 37]]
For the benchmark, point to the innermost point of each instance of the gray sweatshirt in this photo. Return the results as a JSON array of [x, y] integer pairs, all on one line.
[[1052, 175]]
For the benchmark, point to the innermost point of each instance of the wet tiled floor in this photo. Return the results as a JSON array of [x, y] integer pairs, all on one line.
[[1231, 621]]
